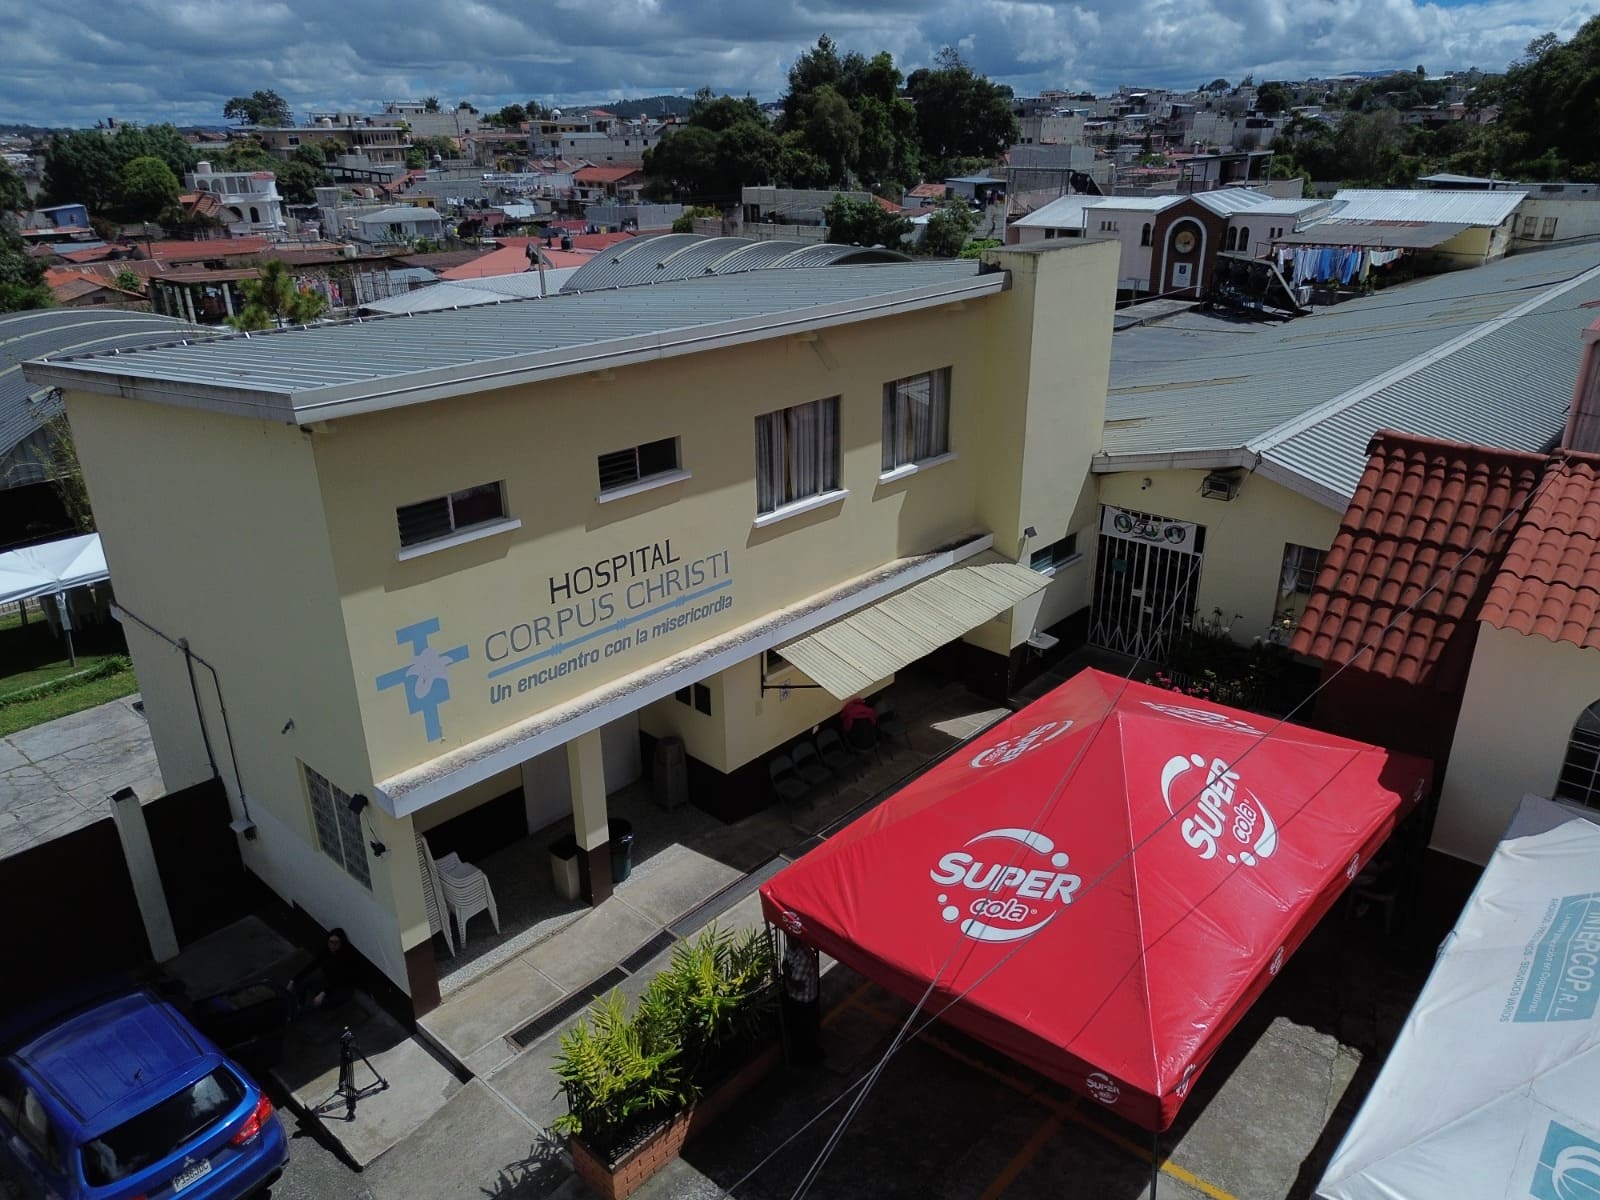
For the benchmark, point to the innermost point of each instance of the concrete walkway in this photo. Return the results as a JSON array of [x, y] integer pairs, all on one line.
[[1149, 312], [56, 777], [471, 1096]]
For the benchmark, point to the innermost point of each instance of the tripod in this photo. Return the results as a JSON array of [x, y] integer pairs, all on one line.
[[347, 1093]]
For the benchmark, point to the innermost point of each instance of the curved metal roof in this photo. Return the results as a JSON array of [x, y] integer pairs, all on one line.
[[674, 256], [26, 335]]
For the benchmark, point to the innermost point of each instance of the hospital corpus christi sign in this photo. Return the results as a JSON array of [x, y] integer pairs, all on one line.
[[588, 613]]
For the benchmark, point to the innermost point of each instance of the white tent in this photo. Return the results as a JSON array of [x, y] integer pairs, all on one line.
[[51, 568], [1492, 1090]]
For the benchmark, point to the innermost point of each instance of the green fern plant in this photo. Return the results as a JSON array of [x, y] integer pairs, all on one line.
[[622, 1074], [616, 1073]]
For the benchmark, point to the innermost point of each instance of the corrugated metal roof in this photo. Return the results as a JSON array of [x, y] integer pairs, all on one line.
[[28, 335], [487, 289], [314, 372], [1387, 235], [1065, 212], [1204, 386], [853, 653], [1509, 389], [1226, 202], [1461, 208], [669, 257]]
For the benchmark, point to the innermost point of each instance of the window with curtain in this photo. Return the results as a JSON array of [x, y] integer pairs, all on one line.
[[916, 418], [1580, 770], [797, 454], [1296, 579]]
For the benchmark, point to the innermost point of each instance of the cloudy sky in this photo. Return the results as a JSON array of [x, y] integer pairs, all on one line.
[[179, 60]]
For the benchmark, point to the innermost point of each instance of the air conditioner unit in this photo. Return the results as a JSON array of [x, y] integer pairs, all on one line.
[[1218, 486]]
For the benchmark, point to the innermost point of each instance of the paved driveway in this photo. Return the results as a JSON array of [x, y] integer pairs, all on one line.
[[55, 777], [949, 1117]]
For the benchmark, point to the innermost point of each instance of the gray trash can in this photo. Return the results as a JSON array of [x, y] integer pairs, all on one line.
[[669, 773], [621, 848]]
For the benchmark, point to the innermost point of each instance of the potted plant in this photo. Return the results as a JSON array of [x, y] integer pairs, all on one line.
[[639, 1085]]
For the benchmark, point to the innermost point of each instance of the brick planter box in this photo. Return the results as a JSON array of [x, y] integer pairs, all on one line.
[[615, 1182]]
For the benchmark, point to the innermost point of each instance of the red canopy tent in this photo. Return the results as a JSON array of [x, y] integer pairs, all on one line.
[[1189, 852]]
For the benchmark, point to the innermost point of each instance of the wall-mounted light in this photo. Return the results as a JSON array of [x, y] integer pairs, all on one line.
[[357, 803], [1030, 532], [378, 848]]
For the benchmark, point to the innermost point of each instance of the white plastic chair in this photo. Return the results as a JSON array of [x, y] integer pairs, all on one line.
[[466, 891], [433, 895]]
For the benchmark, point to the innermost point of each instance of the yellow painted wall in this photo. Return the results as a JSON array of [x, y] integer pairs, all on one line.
[[1471, 247], [371, 464], [1051, 341], [1523, 696], [1245, 537], [467, 799], [213, 531]]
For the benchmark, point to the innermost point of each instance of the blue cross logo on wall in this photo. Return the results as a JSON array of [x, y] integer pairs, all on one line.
[[426, 678]]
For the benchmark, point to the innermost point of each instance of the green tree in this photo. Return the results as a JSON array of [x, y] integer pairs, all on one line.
[[58, 456], [85, 166], [22, 283], [13, 193], [431, 104], [798, 166], [148, 188], [960, 114], [726, 145], [510, 117], [833, 132], [948, 229], [685, 223], [298, 181], [1273, 98], [311, 154], [818, 67], [128, 281], [1216, 85], [863, 223], [272, 300], [264, 107]]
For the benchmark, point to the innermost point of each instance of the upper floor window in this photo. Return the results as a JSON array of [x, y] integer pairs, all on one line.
[[637, 464], [1144, 235], [1233, 240], [916, 418], [1580, 771], [1244, 237], [428, 520], [797, 453]]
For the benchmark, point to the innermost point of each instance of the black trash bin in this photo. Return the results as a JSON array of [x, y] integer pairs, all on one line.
[[621, 848]]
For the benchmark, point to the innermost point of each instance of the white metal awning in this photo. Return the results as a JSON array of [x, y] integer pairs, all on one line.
[[855, 652]]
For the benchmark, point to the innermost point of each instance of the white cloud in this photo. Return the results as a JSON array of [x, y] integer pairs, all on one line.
[[180, 60]]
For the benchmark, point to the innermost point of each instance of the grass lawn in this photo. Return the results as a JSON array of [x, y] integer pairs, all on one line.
[[30, 655]]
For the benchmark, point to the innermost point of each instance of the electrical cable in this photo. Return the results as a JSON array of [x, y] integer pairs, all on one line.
[[864, 1083]]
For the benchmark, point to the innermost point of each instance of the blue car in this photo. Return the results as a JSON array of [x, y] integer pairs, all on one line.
[[125, 1100]]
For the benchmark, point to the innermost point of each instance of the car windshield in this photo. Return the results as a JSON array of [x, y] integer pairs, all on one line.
[[162, 1129]]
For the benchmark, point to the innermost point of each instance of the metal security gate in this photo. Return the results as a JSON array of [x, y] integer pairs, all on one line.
[[1147, 573]]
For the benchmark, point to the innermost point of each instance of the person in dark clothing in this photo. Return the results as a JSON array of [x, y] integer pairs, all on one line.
[[801, 1001], [330, 979]]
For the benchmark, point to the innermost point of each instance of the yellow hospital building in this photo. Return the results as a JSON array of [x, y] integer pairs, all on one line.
[[439, 559]]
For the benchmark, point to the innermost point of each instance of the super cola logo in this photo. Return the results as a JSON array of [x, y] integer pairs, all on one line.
[[1223, 814], [1010, 898]]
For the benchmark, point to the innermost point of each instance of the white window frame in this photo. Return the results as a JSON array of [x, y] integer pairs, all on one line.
[[641, 482], [916, 429], [780, 441], [458, 533], [336, 826]]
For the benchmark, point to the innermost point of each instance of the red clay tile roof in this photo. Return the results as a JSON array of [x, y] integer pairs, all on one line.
[[1422, 505], [201, 251], [927, 189], [604, 174], [1549, 579]]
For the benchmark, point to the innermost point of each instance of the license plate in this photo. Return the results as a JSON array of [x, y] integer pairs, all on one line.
[[192, 1174]]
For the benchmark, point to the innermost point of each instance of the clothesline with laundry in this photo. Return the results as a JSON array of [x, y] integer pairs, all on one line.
[[1323, 264]]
